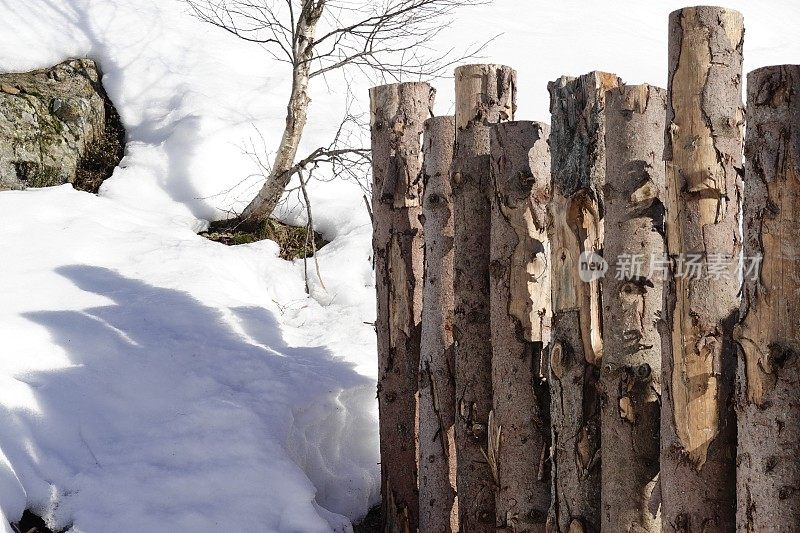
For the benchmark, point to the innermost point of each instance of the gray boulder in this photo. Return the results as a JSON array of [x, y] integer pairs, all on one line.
[[57, 126]]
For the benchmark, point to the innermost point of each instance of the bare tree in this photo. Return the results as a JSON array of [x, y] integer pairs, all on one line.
[[387, 39]]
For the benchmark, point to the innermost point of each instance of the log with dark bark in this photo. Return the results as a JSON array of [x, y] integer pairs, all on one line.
[[768, 387], [519, 429], [485, 94], [632, 300], [576, 227], [703, 154], [438, 509], [398, 113]]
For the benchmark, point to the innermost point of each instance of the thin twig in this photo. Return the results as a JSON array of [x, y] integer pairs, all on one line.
[[311, 232]]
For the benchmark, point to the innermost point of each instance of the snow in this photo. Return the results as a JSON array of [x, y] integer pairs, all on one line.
[[151, 380], [144, 390]]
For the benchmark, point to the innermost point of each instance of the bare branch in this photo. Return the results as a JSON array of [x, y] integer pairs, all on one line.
[[252, 22], [310, 235], [380, 39]]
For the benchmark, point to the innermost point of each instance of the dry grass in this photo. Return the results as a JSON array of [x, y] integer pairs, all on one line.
[[294, 241]]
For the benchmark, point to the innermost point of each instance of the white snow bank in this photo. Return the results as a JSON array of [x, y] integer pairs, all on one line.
[[147, 385], [148, 378]]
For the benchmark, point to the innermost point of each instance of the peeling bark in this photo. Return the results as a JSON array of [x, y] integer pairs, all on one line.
[[703, 154], [398, 113], [632, 300], [520, 324], [485, 95], [768, 385], [437, 455], [576, 226]]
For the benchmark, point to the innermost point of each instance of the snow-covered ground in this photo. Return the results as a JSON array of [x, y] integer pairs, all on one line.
[[151, 380]]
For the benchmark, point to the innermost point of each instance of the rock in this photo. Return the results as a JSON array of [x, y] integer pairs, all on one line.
[[57, 126], [9, 89]]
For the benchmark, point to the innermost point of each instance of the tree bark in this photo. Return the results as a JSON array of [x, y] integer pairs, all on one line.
[[437, 401], [768, 395], [576, 227], [398, 113], [262, 206], [485, 94], [632, 300], [519, 430], [703, 154]]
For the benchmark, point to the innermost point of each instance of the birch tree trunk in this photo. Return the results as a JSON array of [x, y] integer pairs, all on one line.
[[576, 227], [437, 400], [485, 94], [703, 154], [768, 396], [398, 113], [262, 206], [519, 430], [632, 300]]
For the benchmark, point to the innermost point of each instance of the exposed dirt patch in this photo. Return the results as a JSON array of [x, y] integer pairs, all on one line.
[[295, 242], [30, 523]]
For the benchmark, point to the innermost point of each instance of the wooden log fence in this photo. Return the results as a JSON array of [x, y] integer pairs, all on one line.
[[768, 334], [576, 239], [437, 403], [398, 113], [703, 154], [563, 343], [519, 426], [632, 297], [485, 95]]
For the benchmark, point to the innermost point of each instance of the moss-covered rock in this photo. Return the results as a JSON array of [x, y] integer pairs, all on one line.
[[58, 126]]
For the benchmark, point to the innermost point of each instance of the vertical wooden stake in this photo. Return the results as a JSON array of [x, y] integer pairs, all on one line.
[[768, 390], [703, 154], [485, 95], [577, 145], [632, 300], [398, 113], [519, 433], [437, 455]]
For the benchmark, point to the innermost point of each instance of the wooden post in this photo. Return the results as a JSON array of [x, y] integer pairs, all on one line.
[[398, 113], [485, 94], [577, 146], [519, 428], [437, 401], [768, 402], [703, 154], [632, 300]]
